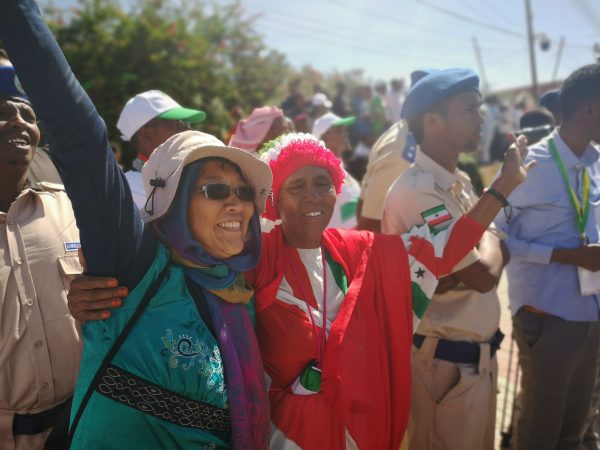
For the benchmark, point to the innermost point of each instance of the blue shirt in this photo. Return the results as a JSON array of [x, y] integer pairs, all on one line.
[[543, 219]]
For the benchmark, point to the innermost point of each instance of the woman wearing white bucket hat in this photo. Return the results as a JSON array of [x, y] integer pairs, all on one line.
[[178, 366]]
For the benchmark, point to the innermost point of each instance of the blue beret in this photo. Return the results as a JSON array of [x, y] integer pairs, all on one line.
[[416, 75], [436, 87], [551, 100], [9, 84]]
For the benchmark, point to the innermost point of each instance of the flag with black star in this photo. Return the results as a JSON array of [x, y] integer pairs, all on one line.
[[424, 251]]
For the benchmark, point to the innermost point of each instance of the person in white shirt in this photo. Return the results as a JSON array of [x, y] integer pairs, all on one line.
[[331, 129], [148, 120], [394, 100]]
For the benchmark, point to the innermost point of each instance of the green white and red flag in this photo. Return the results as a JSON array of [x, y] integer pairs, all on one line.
[[437, 217]]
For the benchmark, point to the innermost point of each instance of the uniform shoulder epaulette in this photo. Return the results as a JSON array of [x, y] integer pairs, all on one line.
[[48, 186]]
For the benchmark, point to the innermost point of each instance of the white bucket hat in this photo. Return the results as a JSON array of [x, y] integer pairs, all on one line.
[[162, 171]]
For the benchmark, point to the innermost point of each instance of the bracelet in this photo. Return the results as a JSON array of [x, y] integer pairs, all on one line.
[[502, 199], [498, 196]]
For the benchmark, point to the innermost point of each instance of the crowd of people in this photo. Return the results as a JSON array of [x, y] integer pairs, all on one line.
[[269, 292]]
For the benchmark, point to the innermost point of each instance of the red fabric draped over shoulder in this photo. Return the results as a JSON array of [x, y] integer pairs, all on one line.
[[366, 370]]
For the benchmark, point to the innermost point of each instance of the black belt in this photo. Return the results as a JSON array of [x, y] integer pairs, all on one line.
[[39, 422], [460, 351], [124, 387]]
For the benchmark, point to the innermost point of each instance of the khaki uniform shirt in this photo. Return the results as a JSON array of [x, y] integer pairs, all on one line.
[[40, 346], [460, 314], [385, 165]]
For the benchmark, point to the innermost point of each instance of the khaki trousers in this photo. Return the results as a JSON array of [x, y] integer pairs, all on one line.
[[453, 405]]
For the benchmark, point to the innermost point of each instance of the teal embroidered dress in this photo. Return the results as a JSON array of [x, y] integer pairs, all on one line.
[[169, 346]]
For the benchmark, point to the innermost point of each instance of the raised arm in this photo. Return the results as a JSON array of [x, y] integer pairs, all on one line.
[[110, 226]]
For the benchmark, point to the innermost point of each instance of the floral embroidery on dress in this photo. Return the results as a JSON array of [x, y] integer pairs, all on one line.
[[212, 369], [186, 351], [182, 348]]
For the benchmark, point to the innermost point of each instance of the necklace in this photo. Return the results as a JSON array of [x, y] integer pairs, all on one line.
[[320, 342]]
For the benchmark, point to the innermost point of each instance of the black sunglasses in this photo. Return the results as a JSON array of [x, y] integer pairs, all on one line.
[[221, 191]]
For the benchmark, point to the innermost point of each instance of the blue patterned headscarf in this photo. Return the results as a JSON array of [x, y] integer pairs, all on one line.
[[174, 232], [244, 373]]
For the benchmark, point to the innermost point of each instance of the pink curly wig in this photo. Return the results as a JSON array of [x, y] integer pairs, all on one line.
[[300, 151]]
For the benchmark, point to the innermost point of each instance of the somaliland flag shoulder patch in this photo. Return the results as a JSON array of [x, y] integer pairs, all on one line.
[[438, 218]]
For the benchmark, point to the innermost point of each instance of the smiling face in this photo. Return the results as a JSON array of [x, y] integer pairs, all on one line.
[[220, 226], [19, 133], [305, 203]]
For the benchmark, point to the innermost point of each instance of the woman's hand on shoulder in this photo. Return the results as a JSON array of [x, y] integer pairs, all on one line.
[[92, 298]]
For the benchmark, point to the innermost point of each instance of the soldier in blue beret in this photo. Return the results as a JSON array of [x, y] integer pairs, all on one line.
[[454, 364]]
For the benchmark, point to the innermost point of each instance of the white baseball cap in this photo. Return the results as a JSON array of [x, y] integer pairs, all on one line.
[[142, 108], [326, 121], [320, 99], [162, 171]]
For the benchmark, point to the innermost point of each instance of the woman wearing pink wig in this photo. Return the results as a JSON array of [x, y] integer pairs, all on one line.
[[335, 309]]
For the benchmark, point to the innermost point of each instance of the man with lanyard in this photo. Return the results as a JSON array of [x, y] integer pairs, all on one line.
[[40, 347], [551, 225], [454, 366], [148, 120]]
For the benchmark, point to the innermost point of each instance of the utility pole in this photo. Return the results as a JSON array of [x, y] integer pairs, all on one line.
[[561, 45], [531, 42], [486, 86]]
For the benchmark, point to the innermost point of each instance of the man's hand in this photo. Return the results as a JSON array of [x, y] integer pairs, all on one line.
[[483, 275], [587, 256], [91, 297], [514, 170], [446, 284]]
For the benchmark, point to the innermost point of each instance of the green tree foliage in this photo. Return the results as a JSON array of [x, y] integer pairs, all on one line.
[[205, 56]]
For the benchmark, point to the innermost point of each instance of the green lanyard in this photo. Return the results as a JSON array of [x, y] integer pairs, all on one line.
[[582, 211]]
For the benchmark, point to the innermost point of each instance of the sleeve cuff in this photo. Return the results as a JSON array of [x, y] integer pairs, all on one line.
[[539, 253], [529, 251]]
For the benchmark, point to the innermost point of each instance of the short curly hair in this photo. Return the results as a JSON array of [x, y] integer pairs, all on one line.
[[581, 87]]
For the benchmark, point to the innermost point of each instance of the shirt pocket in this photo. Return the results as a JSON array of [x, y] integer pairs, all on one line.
[[69, 267], [556, 198]]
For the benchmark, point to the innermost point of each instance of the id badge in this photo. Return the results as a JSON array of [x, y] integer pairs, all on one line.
[[309, 381]]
